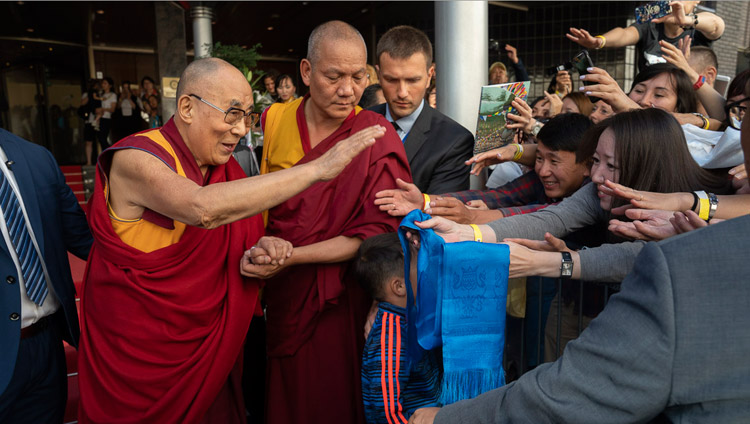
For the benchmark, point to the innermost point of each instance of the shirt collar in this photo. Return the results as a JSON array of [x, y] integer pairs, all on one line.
[[406, 122]]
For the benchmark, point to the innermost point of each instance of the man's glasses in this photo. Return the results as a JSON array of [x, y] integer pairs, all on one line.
[[737, 111], [233, 115]]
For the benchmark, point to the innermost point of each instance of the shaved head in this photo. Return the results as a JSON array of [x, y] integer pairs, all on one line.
[[203, 73], [331, 31]]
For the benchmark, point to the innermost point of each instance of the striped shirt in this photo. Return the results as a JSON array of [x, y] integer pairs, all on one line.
[[391, 390]]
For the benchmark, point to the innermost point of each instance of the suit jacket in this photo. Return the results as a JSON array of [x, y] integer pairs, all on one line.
[[60, 226], [673, 342], [437, 148]]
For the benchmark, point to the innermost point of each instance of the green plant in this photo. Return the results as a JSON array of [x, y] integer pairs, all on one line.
[[244, 59]]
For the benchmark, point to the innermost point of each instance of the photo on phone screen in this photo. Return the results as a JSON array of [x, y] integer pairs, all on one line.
[[653, 10]]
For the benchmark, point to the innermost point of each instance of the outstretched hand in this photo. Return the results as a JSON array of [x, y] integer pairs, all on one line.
[[331, 163], [450, 231], [549, 244], [400, 201], [451, 208], [649, 225], [491, 157], [582, 37], [645, 199]]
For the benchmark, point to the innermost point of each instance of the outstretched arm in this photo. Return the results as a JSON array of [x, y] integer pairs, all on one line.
[[616, 37], [138, 181]]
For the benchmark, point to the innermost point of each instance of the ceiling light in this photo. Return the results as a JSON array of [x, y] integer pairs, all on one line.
[[291, 50], [100, 12], [50, 49], [29, 29], [23, 46], [270, 28]]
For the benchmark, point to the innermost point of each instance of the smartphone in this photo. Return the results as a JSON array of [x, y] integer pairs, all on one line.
[[721, 84], [653, 10], [581, 63]]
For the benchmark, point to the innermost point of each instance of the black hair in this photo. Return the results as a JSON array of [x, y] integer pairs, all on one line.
[[282, 77], [110, 81], [144, 79], [687, 100], [379, 259], [565, 132], [368, 98]]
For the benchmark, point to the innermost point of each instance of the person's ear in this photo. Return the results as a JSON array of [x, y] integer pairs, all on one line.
[[711, 73], [398, 286], [430, 74], [185, 109], [305, 71]]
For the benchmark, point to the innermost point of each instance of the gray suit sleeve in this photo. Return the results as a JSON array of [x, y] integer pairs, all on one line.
[[618, 371]]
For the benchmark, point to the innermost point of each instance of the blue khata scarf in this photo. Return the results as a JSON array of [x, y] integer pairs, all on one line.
[[460, 305]]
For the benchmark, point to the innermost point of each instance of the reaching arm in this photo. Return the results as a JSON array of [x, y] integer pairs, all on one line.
[[139, 180], [616, 37]]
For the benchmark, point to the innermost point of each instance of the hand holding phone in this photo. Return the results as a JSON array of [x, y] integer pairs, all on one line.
[[653, 10]]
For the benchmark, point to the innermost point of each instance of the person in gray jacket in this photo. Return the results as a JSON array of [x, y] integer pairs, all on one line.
[[671, 346]]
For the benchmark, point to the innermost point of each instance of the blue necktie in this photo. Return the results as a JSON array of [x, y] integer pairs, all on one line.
[[31, 266]]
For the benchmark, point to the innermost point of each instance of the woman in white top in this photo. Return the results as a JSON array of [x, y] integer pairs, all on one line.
[[109, 103]]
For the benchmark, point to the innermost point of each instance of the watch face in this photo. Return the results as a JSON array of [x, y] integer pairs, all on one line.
[[567, 269]]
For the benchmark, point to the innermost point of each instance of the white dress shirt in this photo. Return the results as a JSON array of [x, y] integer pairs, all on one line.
[[406, 123], [30, 311]]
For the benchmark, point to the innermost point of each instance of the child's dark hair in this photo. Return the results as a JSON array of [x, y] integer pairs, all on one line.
[[379, 259]]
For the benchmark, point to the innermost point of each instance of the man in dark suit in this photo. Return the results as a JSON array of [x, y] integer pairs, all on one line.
[[672, 344], [41, 221], [436, 146]]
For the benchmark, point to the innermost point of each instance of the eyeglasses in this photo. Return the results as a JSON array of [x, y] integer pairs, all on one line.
[[737, 111], [233, 115]]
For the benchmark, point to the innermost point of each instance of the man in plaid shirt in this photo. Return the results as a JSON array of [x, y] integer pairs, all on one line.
[[557, 174]]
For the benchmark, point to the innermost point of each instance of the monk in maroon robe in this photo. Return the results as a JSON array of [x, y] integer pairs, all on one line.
[[164, 307], [315, 313]]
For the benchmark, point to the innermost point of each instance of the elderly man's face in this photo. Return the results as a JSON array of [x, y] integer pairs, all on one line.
[[338, 77], [211, 139]]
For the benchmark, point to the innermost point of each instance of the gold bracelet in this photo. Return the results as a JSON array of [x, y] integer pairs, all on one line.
[[477, 232], [426, 201], [604, 41]]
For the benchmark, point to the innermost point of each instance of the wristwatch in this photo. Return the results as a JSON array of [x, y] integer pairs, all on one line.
[[566, 267]]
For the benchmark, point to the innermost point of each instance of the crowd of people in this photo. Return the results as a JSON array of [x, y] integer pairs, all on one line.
[[320, 284], [111, 113]]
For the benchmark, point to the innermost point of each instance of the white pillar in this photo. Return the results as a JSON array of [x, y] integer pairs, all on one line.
[[202, 36], [461, 37]]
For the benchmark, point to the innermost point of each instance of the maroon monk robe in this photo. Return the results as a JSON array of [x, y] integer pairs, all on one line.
[[315, 313], [161, 331]]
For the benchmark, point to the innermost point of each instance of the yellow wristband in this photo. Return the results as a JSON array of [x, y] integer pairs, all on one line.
[[706, 123], [519, 152], [477, 232], [704, 205], [604, 41], [426, 201]]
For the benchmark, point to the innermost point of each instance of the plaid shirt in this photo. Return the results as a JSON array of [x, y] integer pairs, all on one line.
[[523, 195]]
